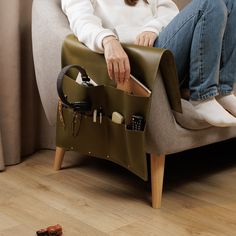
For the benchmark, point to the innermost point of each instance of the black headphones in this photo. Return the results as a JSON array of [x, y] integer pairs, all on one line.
[[81, 106]]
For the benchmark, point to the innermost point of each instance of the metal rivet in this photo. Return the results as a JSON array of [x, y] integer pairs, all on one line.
[[108, 156]]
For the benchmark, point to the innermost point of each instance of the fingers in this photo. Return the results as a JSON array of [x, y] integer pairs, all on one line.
[[110, 69], [138, 40], [118, 65], [152, 41], [117, 61], [116, 71], [120, 70], [146, 39], [127, 69]]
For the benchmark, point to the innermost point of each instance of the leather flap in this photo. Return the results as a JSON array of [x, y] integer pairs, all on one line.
[[145, 62]]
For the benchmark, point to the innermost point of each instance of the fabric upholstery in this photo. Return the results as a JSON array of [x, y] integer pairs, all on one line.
[[49, 28], [166, 136]]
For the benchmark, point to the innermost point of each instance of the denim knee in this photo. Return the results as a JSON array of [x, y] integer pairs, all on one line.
[[231, 5], [219, 7]]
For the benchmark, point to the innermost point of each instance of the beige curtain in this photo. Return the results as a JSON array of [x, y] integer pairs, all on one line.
[[23, 126]]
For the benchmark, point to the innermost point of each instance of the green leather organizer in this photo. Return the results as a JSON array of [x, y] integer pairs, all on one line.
[[109, 140]]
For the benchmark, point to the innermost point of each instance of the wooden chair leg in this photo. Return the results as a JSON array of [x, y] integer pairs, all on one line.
[[59, 156], [157, 176]]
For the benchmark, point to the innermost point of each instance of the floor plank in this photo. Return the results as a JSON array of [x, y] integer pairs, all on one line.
[[95, 197]]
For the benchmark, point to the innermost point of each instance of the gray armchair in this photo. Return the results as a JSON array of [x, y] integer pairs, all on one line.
[[168, 132]]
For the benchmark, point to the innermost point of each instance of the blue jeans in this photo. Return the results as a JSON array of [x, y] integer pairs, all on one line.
[[202, 38]]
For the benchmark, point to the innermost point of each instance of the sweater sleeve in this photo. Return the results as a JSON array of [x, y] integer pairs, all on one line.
[[84, 24], [164, 11]]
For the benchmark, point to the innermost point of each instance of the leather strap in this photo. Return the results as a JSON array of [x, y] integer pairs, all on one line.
[[81, 106]]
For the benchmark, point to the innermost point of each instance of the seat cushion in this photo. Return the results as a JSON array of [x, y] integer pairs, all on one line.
[[189, 119]]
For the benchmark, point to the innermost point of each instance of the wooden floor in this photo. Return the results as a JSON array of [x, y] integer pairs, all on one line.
[[95, 197]]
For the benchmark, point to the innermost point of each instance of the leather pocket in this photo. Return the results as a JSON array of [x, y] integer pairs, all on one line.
[[124, 103], [107, 139], [86, 137], [117, 143], [136, 151]]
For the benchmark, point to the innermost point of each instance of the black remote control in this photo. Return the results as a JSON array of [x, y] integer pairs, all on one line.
[[137, 122]]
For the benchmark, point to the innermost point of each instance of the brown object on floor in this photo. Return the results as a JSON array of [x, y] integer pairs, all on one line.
[[55, 230], [42, 232]]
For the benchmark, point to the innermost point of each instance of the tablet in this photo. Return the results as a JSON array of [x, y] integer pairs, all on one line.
[[134, 87]]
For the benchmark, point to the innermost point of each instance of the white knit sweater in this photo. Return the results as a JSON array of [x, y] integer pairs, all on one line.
[[92, 20]]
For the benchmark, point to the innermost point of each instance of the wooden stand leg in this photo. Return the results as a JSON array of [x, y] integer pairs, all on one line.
[[157, 175], [60, 152]]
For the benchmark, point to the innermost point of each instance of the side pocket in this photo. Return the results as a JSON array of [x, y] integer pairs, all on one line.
[[125, 103], [117, 143], [136, 152], [93, 137], [90, 139], [77, 92]]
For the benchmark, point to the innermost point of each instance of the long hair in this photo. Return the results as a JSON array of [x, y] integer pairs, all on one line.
[[133, 2]]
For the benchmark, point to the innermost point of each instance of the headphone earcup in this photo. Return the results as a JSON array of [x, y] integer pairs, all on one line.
[[81, 106]]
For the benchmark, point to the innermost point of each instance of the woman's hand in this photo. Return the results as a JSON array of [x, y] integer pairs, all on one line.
[[117, 60], [146, 38]]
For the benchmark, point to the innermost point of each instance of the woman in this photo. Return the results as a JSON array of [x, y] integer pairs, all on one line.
[[202, 38]]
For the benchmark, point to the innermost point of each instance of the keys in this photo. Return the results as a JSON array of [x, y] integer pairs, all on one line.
[[97, 115], [60, 110], [76, 123]]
